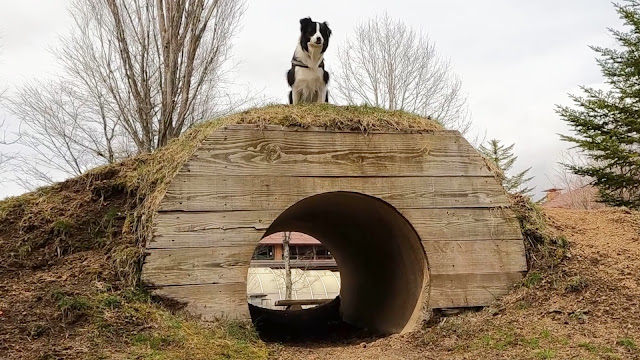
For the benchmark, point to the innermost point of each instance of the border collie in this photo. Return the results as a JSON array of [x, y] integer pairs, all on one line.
[[307, 77]]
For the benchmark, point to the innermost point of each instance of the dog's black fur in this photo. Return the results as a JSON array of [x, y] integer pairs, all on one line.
[[310, 63]]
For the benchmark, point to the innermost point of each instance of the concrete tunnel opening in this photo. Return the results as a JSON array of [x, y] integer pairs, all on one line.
[[382, 264]]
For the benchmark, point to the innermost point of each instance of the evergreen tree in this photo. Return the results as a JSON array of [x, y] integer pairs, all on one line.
[[607, 123], [504, 159]]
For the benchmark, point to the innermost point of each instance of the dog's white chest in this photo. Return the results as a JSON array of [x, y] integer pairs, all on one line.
[[309, 83]]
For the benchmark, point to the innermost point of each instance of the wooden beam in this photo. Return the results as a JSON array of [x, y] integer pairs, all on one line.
[[215, 265], [231, 193], [205, 229], [302, 302], [466, 290], [278, 153], [463, 224], [211, 301], [475, 257], [456, 290], [240, 228], [221, 265]]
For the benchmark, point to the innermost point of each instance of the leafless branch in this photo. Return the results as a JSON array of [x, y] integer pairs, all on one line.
[[135, 74], [5, 155], [390, 65], [160, 62]]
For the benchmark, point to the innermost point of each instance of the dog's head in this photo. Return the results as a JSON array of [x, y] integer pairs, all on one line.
[[314, 34]]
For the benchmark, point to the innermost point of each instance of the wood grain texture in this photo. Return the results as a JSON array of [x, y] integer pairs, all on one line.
[[211, 301], [205, 229], [456, 290], [463, 224], [216, 265], [232, 193], [477, 257], [208, 229], [464, 290], [279, 153], [222, 265]]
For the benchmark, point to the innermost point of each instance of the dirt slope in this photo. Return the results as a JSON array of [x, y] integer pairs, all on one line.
[[67, 260], [587, 308]]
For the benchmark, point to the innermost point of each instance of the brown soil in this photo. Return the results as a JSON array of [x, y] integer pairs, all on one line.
[[587, 308], [31, 325], [56, 250], [68, 268]]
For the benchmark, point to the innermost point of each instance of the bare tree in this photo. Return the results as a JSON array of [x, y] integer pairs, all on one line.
[[287, 278], [66, 129], [389, 65], [578, 191], [5, 156], [161, 63], [286, 256], [135, 74], [4, 141]]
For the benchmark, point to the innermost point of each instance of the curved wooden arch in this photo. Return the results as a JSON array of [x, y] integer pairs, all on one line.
[[243, 177]]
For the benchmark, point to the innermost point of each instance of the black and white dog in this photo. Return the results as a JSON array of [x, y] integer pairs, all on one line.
[[307, 77]]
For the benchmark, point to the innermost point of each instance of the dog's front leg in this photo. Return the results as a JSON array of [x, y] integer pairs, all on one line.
[[295, 95], [322, 95]]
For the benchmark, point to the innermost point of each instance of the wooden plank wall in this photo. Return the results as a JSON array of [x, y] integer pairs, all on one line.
[[241, 178]]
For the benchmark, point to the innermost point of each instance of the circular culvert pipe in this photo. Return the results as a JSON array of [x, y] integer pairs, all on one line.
[[383, 267]]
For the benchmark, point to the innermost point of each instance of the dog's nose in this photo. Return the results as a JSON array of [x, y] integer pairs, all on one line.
[[318, 40]]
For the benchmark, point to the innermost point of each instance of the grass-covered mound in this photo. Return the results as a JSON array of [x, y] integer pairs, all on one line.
[[70, 258], [70, 253]]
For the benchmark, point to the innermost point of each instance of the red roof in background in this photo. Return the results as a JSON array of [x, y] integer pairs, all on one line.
[[582, 198], [296, 239]]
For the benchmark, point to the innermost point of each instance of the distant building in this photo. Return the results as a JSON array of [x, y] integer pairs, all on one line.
[[551, 194], [582, 198], [314, 272], [305, 252]]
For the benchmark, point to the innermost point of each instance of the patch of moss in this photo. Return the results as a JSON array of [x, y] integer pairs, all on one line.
[[532, 279], [546, 354], [628, 343]]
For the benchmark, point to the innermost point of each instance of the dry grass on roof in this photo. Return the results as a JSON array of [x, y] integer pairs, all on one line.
[[347, 118]]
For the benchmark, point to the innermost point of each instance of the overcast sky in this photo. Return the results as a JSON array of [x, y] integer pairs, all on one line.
[[516, 59]]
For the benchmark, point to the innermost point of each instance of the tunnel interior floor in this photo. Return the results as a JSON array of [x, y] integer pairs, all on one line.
[[318, 324]]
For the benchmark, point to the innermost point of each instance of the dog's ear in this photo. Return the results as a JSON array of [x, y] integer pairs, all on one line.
[[326, 25], [305, 22]]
